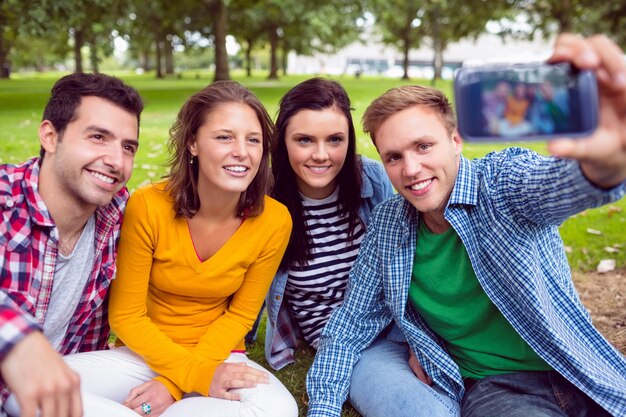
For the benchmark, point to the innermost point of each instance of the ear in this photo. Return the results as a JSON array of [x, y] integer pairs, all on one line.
[[193, 150], [458, 142], [48, 136]]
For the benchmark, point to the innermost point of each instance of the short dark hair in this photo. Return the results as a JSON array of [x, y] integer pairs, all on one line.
[[313, 94], [183, 176], [401, 98], [67, 93]]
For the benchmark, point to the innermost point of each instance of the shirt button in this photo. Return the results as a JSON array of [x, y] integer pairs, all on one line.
[[39, 315], [9, 203]]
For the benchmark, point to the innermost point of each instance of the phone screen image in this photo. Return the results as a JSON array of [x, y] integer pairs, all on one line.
[[521, 102], [527, 103]]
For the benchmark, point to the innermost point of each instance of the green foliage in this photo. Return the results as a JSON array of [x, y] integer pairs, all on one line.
[[406, 23]]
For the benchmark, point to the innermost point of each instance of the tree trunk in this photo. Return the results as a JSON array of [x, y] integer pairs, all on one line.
[[79, 40], [93, 56], [564, 16], [5, 70], [159, 65], [219, 36], [273, 36], [249, 44], [406, 45], [437, 60], [284, 56], [437, 49], [168, 51], [145, 60]]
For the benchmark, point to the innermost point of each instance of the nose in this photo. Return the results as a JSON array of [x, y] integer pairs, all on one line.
[[114, 156], [239, 148], [412, 166], [320, 153]]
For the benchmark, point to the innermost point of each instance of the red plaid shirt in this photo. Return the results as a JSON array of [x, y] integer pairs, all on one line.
[[28, 254]]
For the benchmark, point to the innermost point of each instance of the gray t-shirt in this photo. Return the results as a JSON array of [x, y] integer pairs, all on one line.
[[70, 277]]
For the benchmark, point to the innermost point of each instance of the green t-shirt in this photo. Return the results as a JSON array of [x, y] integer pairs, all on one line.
[[445, 291]]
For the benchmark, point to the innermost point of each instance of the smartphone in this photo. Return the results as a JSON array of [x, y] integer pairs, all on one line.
[[523, 102]]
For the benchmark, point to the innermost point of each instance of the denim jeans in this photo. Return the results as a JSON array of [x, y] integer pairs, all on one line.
[[524, 394], [383, 385]]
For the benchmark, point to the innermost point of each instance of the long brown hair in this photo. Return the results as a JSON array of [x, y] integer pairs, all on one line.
[[183, 175]]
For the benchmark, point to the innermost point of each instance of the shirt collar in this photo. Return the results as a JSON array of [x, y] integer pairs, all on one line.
[[37, 209], [465, 191], [367, 189]]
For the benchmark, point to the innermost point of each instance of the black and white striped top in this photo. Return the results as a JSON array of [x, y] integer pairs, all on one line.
[[316, 289]]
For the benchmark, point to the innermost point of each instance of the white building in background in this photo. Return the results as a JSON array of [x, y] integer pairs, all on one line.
[[375, 58]]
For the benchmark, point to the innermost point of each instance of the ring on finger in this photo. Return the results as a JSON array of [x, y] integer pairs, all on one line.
[[145, 407]]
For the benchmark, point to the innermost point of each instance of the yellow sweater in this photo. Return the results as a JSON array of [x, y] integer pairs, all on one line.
[[184, 316]]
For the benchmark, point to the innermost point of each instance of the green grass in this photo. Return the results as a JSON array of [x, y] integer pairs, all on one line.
[[23, 98]]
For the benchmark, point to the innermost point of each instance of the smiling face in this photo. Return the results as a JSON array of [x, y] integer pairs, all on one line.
[[229, 147], [317, 144], [421, 158], [93, 159]]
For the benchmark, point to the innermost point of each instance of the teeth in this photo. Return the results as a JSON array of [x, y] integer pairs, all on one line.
[[103, 178], [319, 169], [236, 168], [421, 185]]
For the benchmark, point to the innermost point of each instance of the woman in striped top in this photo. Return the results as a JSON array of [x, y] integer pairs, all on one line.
[[330, 192]]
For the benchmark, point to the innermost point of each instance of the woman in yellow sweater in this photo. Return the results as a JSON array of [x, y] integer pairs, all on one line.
[[197, 254]]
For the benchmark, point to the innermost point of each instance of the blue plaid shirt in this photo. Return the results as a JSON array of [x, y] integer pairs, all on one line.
[[506, 208]]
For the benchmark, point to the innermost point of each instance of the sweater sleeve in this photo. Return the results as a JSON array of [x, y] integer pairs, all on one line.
[[128, 310]]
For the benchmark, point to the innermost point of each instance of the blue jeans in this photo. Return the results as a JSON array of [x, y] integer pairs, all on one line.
[[524, 394], [383, 385]]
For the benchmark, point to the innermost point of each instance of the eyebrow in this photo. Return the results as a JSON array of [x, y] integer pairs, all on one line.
[[339, 133], [231, 132]]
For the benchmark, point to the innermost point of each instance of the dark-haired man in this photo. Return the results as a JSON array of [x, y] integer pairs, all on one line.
[[467, 263], [61, 215]]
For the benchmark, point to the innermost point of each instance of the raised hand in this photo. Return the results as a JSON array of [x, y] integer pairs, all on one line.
[[602, 156]]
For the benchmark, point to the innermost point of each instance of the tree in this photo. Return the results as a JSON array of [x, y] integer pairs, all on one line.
[[581, 16], [153, 27], [217, 10], [439, 22], [89, 23], [246, 25], [446, 21], [398, 23], [9, 25], [303, 26]]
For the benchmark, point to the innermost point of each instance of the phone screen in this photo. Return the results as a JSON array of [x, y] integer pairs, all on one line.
[[521, 101]]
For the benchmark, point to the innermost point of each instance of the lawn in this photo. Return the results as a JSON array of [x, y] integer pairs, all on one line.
[[589, 237]]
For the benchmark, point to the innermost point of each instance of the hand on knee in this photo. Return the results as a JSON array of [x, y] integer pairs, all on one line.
[[151, 398], [229, 376]]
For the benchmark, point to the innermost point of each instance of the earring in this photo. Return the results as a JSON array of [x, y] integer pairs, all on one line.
[[191, 160]]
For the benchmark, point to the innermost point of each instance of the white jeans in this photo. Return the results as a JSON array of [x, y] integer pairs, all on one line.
[[108, 376]]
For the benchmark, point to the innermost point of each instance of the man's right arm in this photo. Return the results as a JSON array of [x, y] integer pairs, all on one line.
[[15, 324], [351, 328], [40, 380]]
